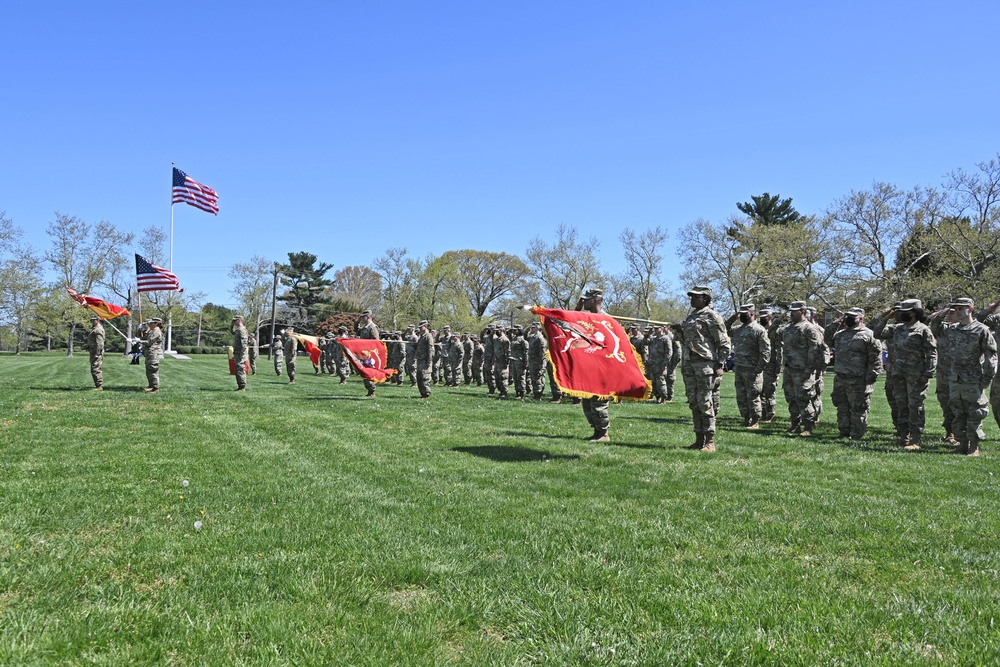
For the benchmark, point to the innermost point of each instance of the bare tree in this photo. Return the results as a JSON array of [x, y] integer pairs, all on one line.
[[564, 268], [252, 286], [398, 273], [644, 258], [358, 285]]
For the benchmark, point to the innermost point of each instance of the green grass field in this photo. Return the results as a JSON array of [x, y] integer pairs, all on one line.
[[468, 531]]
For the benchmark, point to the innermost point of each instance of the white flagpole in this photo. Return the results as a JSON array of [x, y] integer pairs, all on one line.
[[170, 316]]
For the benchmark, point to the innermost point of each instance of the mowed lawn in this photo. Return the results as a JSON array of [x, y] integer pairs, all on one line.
[[468, 531]]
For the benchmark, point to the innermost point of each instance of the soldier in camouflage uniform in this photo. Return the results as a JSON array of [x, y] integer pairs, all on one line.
[[340, 360], [368, 331], [478, 359], [152, 349], [519, 349], [914, 360], [938, 322], [705, 350], [883, 327], [278, 354], [804, 357], [291, 350], [658, 352], [595, 409], [456, 359], [491, 382], [752, 352], [396, 352], [973, 351], [95, 346], [676, 354], [424, 359], [537, 345], [411, 337], [769, 388], [857, 364], [468, 347], [991, 319], [820, 378], [443, 362], [501, 360], [636, 339], [241, 340]]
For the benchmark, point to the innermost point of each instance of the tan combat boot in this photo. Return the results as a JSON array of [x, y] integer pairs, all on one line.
[[602, 436], [709, 445], [699, 441], [914, 443], [807, 429], [973, 447]]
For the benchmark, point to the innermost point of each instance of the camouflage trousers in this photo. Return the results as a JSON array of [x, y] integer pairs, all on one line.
[[491, 382], [153, 371], [670, 379], [596, 412], [943, 394], [519, 371], [553, 387], [240, 368], [423, 377], [799, 385], [909, 391], [411, 369], [536, 379], [890, 398], [477, 374], [96, 360], [500, 379], [467, 370], [657, 374], [278, 361], [253, 365], [701, 386], [768, 393], [852, 397], [969, 408], [749, 385], [344, 368], [995, 400], [818, 398], [290, 367]]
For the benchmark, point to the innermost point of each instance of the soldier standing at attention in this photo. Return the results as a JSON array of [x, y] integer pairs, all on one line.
[[659, 350], [252, 350], [519, 361], [368, 331], [95, 346], [240, 342], [537, 345], [820, 378], [340, 360], [752, 352], [443, 362], [914, 351], [411, 354], [674, 361], [424, 359], [478, 355], [456, 359], [468, 347], [805, 358], [278, 353], [882, 327], [991, 319], [769, 390], [491, 382], [973, 367], [857, 364], [705, 350], [291, 350], [501, 359], [939, 321], [153, 351]]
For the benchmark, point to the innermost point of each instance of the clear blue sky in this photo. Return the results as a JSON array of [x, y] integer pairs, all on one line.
[[347, 128]]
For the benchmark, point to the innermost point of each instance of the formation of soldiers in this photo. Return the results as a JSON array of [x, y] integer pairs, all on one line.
[[957, 343]]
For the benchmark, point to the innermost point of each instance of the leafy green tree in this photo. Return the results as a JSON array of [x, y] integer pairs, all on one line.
[[481, 277], [306, 284]]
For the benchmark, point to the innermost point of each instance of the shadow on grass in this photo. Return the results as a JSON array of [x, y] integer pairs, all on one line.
[[636, 445], [528, 434], [507, 454]]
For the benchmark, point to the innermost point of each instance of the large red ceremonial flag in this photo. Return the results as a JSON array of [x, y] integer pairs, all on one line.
[[368, 358], [311, 344], [101, 308], [592, 357]]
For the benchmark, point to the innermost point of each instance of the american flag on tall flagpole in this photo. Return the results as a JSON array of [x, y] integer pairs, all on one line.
[[189, 191], [154, 278]]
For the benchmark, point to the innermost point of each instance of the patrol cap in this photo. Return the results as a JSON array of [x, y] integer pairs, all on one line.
[[962, 302], [797, 305], [747, 308], [155, 320], [765, 312], [910, 304], [857, 312], [811, 309], [237, 317], [423, 323], [700, 290], [366, 312], [342, 328], [447, 326], [289, 329], [593, 294], [95, 316]]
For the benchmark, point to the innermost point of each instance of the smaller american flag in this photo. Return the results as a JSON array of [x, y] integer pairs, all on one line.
[[153, 278], [189, 191]]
